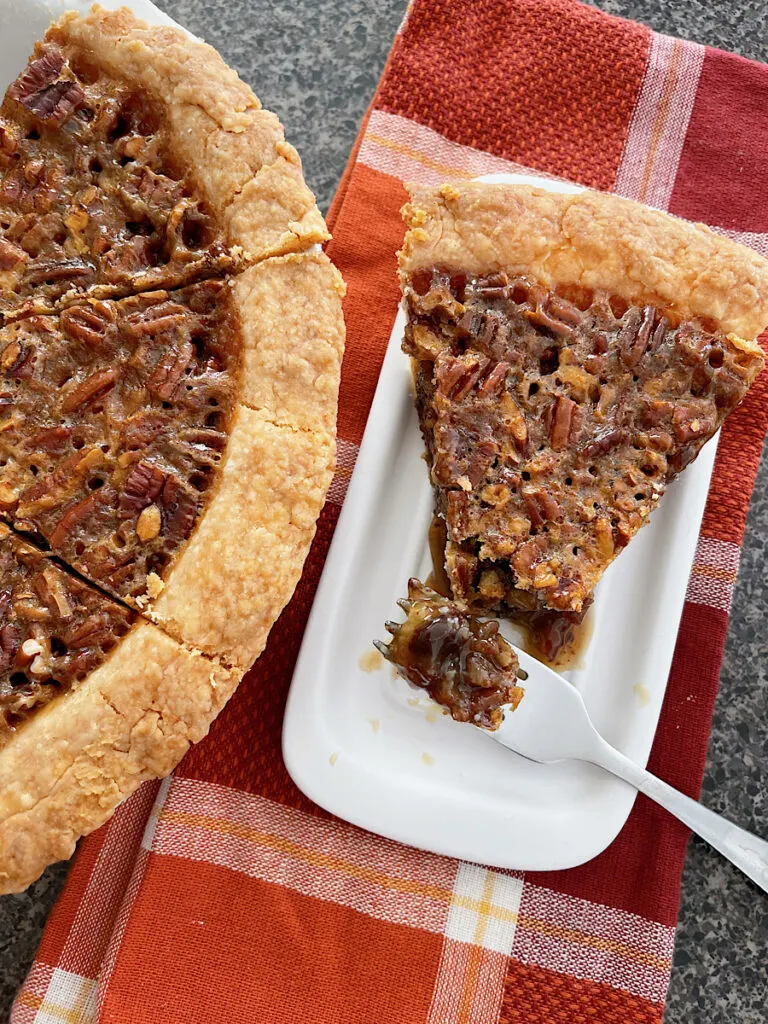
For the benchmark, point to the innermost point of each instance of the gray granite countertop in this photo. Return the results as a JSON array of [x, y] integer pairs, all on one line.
[[317, 64]]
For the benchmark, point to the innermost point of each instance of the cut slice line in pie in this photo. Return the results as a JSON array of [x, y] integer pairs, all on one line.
[[572, 354], [171, 340]]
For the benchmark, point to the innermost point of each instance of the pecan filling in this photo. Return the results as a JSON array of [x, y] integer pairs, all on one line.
[[119, 363], [553, 424], [54, 630], [89, 194], [113, 418], [465, 665]]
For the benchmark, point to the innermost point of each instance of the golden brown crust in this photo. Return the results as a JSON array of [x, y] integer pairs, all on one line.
[[243, 562], [245, 558], [71, 765], [590, 239], [293, 339], [234, 150]]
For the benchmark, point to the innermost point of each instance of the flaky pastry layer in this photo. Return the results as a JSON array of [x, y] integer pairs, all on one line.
[[293, 339], [593, 240]]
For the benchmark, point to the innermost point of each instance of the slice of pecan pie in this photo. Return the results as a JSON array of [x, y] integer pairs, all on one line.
[[572, 354], [170, 351]]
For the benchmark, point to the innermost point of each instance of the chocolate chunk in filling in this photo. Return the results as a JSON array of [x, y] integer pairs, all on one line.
[[464, 664], [54, 630], [553, 425], [113, 420], [90, 196]]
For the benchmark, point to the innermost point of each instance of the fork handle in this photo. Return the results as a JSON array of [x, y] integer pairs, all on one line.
[[744, 849]]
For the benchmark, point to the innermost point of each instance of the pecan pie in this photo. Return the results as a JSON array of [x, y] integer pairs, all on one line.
[[170, 349], [572, 354]]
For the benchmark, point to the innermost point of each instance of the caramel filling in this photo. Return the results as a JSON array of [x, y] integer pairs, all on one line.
[[114, 419], [54, 630], [465, 665], [89, 194], [553, 424]]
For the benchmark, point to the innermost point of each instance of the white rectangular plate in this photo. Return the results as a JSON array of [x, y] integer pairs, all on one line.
[[354, 741]]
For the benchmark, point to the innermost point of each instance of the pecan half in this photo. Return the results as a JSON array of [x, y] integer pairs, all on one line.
[[95, 385], [48, 271], [215, 440], [541, 506], [563, 422], [88, 323], [40, 89], [76, 513], [38, 74], [170, 369], [602, 443], [143, 428], [565, 310], [634, 336], [456, 377], [690, 422], [142, 487], [494, 382], [492, 286], [543, 318], [95, 630], [181, 508], [10, 255]]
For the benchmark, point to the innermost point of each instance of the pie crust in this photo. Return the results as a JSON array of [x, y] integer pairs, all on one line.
[[593, 240], [199, 627], [70, 765]]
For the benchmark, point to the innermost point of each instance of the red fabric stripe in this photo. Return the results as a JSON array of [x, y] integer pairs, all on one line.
[[249, 951], [722, 166], [369, 231], [738, 458], [534, 995]]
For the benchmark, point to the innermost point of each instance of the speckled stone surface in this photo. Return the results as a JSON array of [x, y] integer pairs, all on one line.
[[316, 63]]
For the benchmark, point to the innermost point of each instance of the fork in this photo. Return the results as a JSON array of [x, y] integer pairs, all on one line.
[[552, 724]]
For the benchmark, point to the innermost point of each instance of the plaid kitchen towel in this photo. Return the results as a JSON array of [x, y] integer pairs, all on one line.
[[222, 894]]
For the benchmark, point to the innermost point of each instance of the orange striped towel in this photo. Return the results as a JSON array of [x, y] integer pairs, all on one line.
[[223, 894]]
